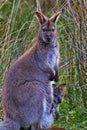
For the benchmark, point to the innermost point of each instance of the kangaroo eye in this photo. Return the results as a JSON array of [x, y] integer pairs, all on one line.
[[53, 29], [44, 30]]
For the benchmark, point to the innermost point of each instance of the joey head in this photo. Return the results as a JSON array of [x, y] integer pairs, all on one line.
[[58, 95]]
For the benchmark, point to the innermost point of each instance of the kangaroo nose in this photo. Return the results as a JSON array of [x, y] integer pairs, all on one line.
[[48, 38]]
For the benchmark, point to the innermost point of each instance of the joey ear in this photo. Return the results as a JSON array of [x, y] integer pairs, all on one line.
[[55, 17], [42, 18], [62, 86]]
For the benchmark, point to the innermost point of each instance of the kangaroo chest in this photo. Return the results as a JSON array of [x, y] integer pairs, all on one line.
[[52, 57]]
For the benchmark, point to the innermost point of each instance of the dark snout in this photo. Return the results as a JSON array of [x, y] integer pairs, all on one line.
[[48, 39], [59, 100]]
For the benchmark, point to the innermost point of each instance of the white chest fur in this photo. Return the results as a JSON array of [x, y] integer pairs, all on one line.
[[47, 118], [53, 57]]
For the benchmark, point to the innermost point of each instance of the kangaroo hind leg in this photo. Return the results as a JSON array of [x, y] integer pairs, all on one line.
[[9, 125]]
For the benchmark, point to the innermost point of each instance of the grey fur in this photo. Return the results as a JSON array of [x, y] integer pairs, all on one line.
[[27, 83]]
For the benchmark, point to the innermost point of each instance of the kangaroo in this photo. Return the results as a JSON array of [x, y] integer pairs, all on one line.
[[27, 92], [58, 99]]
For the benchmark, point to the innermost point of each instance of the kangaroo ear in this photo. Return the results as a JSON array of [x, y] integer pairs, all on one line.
[[42, 18], [55, 17]]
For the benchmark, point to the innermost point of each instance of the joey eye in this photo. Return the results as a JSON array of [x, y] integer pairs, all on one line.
[[55, 95]]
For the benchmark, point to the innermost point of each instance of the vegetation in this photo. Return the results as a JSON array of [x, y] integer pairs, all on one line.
[[18, 32]]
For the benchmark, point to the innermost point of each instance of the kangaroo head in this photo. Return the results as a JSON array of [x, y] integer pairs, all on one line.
[[47, 32]]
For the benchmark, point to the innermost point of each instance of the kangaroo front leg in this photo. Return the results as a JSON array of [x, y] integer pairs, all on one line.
[[52, 74], [47, 69]]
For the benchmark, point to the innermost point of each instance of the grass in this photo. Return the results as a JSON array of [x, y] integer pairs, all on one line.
[[71, 118], [18, 32]]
